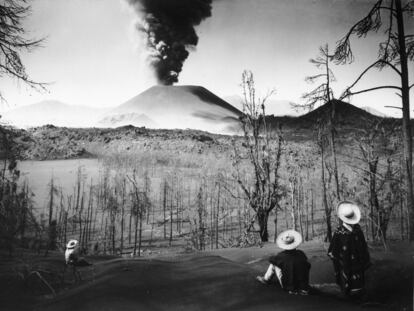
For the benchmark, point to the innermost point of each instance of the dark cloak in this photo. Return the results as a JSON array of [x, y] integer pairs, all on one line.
[[349, 252], [295, 269]]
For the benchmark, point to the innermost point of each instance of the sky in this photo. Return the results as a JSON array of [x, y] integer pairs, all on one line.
[[91, 55]]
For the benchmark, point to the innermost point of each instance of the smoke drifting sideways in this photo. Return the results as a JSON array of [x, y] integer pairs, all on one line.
[[168, 28]]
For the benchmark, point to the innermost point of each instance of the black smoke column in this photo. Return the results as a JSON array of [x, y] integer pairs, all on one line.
[[168, 26]]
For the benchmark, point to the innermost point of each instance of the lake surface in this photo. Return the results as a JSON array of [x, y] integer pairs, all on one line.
[[64, 172]]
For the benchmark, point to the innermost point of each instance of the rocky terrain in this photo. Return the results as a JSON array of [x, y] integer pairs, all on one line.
[[51, 142]]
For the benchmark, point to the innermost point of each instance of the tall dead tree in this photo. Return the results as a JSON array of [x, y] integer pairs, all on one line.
[[327, 208], [138, 210], [263, 152], [395, 51], [377, 143], [323, 94]]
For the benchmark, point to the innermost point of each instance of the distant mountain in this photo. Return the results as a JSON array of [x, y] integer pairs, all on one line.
[[348, 121], [344, 113], [53, 112], [275, 107], [175, 107]]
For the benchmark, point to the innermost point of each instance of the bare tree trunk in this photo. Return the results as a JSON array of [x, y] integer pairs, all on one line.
[[113, 234], [324, 198], [130, 226], [300, 204], [262, 217], [307, 217], [171, 217], [136, 231], [212, 213], [275, 222], [293, 212], [152, 225], [51, 197], [106, 235], [286, 217], [312, 214], [164, 206], [217, 215], [402, 217], [80, 218], [373, 198], [333, 149], [405, 96], [122, 213], [240, 221], [140, 232], [224, 222], [177, 209]]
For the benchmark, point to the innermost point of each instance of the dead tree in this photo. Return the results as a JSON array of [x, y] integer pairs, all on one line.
[[202, 213], [264, 149], [327, 208], [394, 53], [379, 142], [52, 224], [13, 42], [323, 94], [138, 210]]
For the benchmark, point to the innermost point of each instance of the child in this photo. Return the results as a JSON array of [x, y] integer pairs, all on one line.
[[72, 252], [290, 266], [348, 250], [72, 258]]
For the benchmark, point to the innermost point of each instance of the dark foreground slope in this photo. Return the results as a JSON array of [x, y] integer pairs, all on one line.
[[190, 283], [193, 283], [216, 280]]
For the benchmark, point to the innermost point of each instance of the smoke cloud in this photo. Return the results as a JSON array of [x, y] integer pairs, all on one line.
[[168, 28]]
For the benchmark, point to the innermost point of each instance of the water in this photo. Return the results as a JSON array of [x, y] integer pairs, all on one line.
[[64, 172]]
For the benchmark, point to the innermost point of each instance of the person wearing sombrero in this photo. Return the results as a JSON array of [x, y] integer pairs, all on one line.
[[349, 251], [72, 252], [73, 259], [291, 266]]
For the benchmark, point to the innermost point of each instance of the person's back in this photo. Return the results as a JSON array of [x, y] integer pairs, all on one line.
[[72, 255], [295, 267], [349, 251], [290, 266], [72, 252]]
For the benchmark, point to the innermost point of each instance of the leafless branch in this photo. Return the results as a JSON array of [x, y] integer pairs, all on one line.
[[371, 22]]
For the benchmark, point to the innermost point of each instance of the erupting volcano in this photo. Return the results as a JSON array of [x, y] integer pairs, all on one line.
[[178, 107]]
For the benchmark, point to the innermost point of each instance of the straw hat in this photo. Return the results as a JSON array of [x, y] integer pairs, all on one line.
[[349, 212], [72, 244], [289, 239]]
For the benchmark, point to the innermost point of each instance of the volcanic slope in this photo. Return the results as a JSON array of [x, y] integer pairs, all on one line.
[[176, 107]]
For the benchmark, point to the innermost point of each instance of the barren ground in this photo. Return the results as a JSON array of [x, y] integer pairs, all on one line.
[[211, 280]]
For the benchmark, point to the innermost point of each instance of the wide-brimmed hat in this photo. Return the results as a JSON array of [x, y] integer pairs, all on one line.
[[72, 244], [349, 212], [289, 239]]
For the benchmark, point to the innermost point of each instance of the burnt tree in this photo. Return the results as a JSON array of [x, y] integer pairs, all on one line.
[[263, 149], [395, 51]]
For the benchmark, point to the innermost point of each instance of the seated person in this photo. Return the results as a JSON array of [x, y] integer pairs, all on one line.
[[291, 266], [72, 255]]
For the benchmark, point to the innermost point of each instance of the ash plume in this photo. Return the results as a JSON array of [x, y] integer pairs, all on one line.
[[168, 28]]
